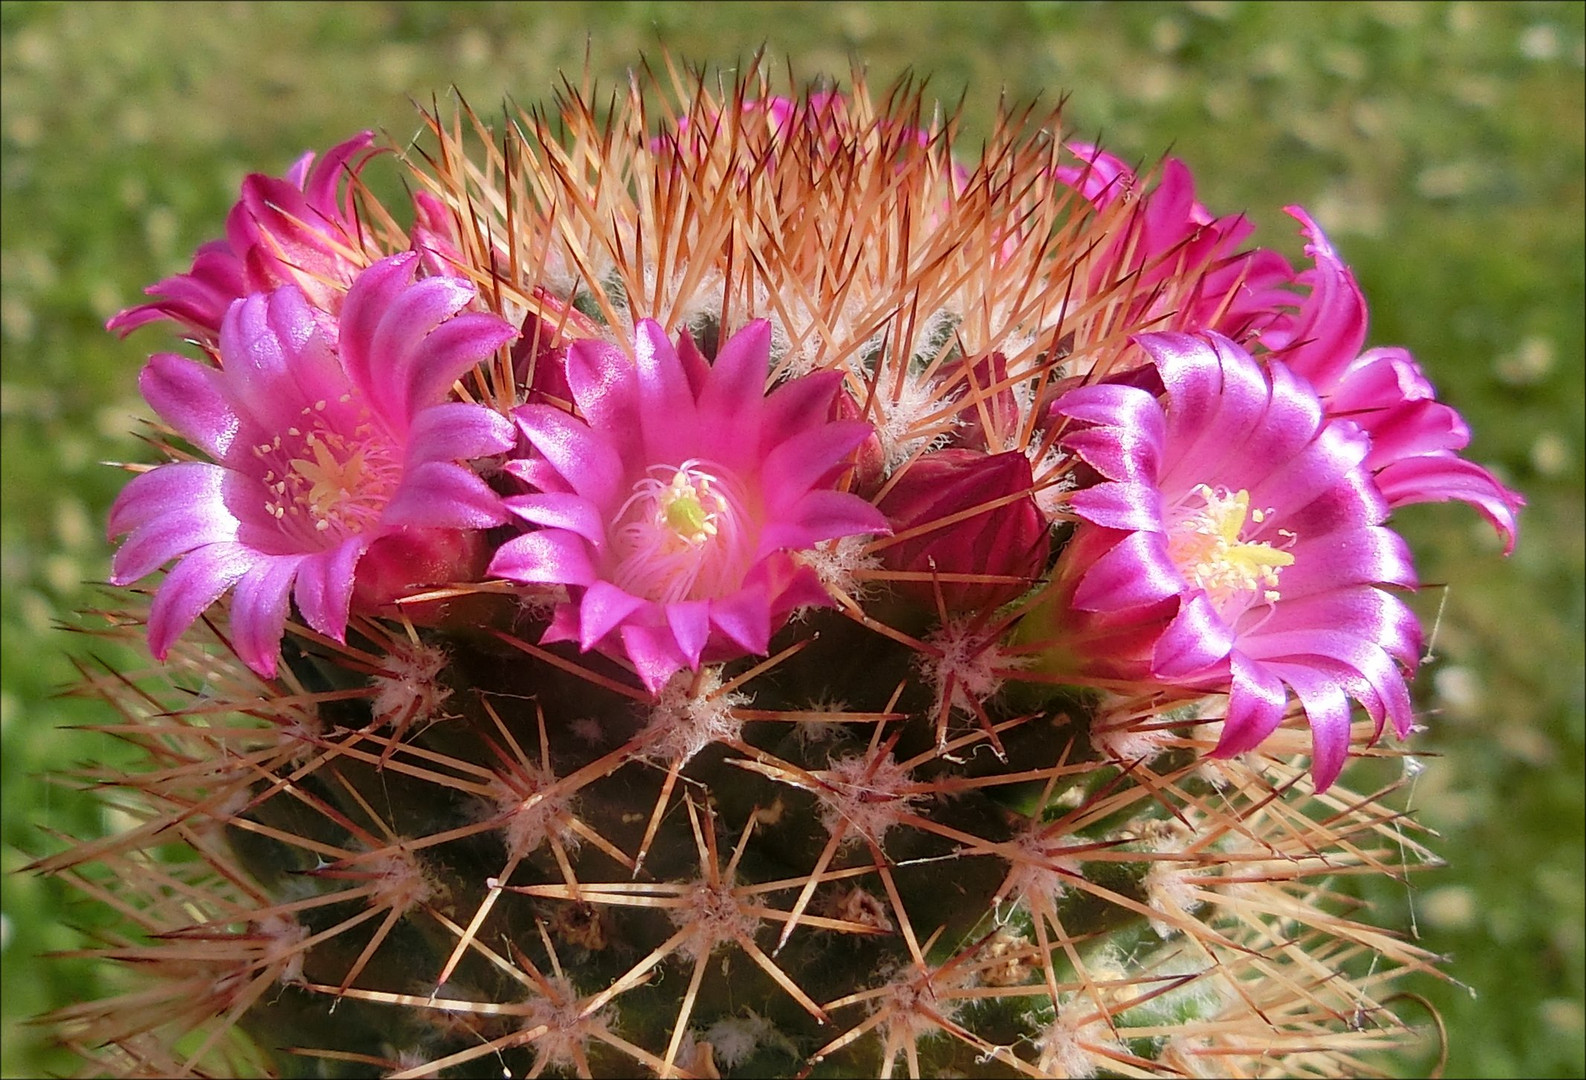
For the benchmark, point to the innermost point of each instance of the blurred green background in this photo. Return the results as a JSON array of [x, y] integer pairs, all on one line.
[[1440, 144]]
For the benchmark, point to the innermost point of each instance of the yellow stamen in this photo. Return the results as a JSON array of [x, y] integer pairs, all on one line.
[[1206, 546]]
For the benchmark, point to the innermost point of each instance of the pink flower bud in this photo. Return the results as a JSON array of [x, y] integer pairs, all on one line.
[[403, 563], [980, 557]]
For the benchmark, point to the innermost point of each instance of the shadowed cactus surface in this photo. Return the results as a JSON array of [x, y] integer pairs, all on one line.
[[710, 638]]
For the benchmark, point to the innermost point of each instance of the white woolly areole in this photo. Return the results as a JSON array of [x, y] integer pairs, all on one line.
[[913, 1000], [567, 1032], [530, 815], [690, 714], [410, 691], [964, 675], [835, 562], [909, 416], [1040, 868], [1072, 1045], [1048, 493], [865, 794], [713, 916], [399, 880], [281, 938], [736, 1038], [1170, 889]]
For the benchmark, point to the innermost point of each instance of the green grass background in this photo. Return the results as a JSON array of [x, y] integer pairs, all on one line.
[[1441, 145]]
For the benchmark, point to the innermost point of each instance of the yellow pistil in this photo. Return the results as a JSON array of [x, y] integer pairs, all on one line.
[[331, 481], [1207, 548], [683, 508]]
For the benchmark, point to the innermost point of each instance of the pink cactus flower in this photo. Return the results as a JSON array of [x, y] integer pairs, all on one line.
[[1233, 542], [672, 506], [297, 230], [1172, 239], [1414, 437], [317, 453], [932, 508]]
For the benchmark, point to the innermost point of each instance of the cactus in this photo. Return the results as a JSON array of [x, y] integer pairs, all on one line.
[[701, 638]]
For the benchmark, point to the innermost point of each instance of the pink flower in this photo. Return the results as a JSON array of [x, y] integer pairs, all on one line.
[[1171, 239], [318, 452], [1414, 437], [297, 230], [1233, 542], [672, 506], [1006, 539]]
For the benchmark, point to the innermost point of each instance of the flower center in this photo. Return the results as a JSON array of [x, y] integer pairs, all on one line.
[[329, 475], [1205, 545], [687, 537]]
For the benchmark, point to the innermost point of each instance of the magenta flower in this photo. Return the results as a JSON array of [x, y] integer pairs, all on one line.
[[673, 505], [317, 453], [1414, 437], [1233, 542], [297, 230], [1172, 239]]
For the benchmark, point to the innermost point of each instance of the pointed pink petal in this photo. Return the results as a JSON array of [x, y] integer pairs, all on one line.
[[1127, 506], [324, 586], [733, 396], [793, 404], [668, 417], [321, 184], [654, 654], [1135, 571], [562, 511], [448, 352], [442, 495], [690, 623], [1357, 557], [258, 612], [1196, 639], [605, 385], [192, 399], [1360, 610], [1327, 709], [563, 625], [192, 585], [745, 617], [371, 297], [547, 557], [802, 461], [585, 460], [820, 515], [604, 606], [456, 430], [1127, 440], [1441, 477], [165, 490], [1256, 702]]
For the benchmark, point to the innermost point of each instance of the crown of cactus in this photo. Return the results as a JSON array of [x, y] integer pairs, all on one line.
[[739, 586]]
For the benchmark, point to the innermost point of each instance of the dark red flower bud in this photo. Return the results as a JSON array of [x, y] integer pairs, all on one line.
[[970, 520]]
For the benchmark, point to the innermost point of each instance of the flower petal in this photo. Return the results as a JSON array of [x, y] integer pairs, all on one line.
[[192, 586], [258, 612], [1257, 700], [192, 399], [562, 511], [323, 590], [548, 556], [1135, 571], [603, 608], [456, 430], [668, 417], [443, 495], [654, 653], [585, 460]]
